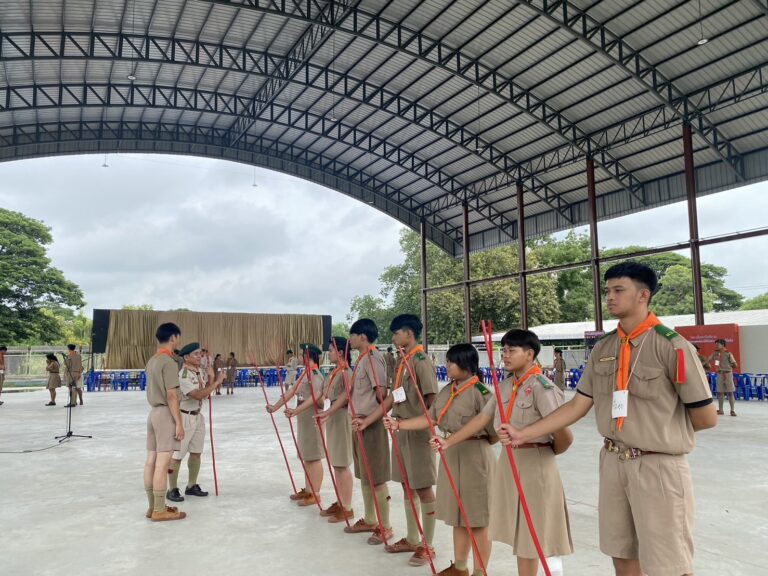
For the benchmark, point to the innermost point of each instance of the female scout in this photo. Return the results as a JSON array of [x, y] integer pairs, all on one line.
[[471, 462], [309, 440], [54, 379], [338, 430], [528, 396]]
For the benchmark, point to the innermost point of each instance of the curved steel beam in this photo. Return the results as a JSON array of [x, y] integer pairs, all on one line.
[[599, 37]]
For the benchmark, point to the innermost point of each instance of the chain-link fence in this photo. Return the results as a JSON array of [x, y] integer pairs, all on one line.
[[27, 365]]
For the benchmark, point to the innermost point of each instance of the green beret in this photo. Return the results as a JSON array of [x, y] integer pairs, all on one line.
[[189, 348], [312, 348], [289, 351]]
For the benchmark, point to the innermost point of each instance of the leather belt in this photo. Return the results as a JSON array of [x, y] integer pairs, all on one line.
[[535, 445], [625, 453], [191, 412]]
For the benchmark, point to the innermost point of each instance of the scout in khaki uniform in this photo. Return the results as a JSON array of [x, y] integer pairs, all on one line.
[[292, 367], [370, 369], [471, 462], [650, 395], [703, 359], [194, 387], [389, 358], [723, 362], [231, 373], [559, 366], [54, 379], [164, 426], [73, 375], [338, 430], [3, 350], [310, 442], [218, 368], [528, 397], [416, 455]]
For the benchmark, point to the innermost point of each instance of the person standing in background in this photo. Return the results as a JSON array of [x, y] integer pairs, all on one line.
[[54, 379]]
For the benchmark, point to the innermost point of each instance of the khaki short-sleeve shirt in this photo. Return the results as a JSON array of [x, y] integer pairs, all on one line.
[[304, 392], [334, 386], [73, 368], [464, 407], [190, 380], [536, 398], [722, 361], [656, 419], [426, 379], [162, 375], [370, 372]]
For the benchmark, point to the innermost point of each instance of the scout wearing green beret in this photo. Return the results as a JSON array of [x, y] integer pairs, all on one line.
[[231, 373], [309, 440], [196, 385]]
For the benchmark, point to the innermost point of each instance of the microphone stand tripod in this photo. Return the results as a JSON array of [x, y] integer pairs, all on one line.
[[70, 404]]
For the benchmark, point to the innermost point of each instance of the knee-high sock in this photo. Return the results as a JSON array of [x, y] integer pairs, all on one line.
[[193, 465], [382, 498], [370, 510], [410, 520], [428, 521], [159, 500], [150, 497], [732, 401], [173, 470], [720, 401]]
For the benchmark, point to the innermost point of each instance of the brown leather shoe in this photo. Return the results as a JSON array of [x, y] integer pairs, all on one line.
[[360, 526], [331, 510], [310, 500], [167, 516], [720, 412], [733, 413], [300, 495], [453, 571], [401, 545], [341, 516], [380, 536], [420, 557], [167, 508]]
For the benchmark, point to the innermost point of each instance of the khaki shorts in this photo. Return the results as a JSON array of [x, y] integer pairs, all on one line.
[[725, 382], [161, 430], [646, 511], [376, 445], [194, 436], [417, 458]]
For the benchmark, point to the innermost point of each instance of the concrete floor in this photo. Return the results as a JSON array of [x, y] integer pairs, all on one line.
[[78, 509]]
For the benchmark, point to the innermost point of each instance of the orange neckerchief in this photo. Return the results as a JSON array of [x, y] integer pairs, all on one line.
[[165, 351], [455, 394], [515, 385], [411, 354], [625, 353]]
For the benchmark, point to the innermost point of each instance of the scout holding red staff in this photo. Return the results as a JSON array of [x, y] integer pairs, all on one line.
[[650, 395]]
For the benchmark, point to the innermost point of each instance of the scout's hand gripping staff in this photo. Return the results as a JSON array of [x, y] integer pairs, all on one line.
[[487, 336], [447, 468]]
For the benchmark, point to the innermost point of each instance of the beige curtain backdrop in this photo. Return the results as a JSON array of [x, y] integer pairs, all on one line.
[[131, 337]]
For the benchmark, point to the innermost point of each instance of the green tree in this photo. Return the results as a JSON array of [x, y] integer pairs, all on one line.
[[139, 307], [340, 329], [756, 303], [29, 284]]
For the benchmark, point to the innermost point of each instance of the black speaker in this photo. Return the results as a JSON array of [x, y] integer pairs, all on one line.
[[327, 331], [100, 330]]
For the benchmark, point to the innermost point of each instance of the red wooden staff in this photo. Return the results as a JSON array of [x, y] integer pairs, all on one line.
[[252, 358], [307, 370], [359, 434], [400, 465], [293, 432], [447, 468], [488, 337]]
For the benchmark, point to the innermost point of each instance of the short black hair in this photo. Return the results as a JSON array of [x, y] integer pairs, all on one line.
[[51, 356], [389, 348], [524, 339], [721, 341], [167, 331], [313, 353], [365, 327], [71, 347], [465, 356], [232, 354], [342, 347], [217, 355], [407, 321], [4, 348], [635, 271], [558, 351]]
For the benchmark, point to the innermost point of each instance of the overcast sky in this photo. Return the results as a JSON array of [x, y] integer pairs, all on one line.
[[180, 232]]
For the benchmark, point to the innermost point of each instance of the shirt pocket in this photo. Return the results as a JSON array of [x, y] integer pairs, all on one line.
[[647, 383], [524, 411], [604, 377]]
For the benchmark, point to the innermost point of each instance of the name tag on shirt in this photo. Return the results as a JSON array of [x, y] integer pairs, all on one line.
[[620, 402], [717, 362], [326, 404], [399, 395]]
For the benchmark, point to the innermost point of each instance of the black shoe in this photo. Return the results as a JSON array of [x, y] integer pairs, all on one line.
[[70, 405], [51, 404], [195, 491], [174, 495]]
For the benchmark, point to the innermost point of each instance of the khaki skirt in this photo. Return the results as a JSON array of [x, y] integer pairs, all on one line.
[[543, 489], [338, 435], [310, 442], [472, 464], [417, 459], [54, 381]]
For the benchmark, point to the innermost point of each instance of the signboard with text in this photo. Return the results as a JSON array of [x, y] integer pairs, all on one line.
[[704, 337]]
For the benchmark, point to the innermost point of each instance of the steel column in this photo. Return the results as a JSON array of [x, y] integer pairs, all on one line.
[[467, 295], [424, 321], [521, 264], [594, 246], [693, 223]]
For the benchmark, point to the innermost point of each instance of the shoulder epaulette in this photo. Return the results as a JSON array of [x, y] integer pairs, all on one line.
[[482, 388], [184, 373], [668, 333], [420, 356], [606, 335], [544, 381], [315, 371]]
